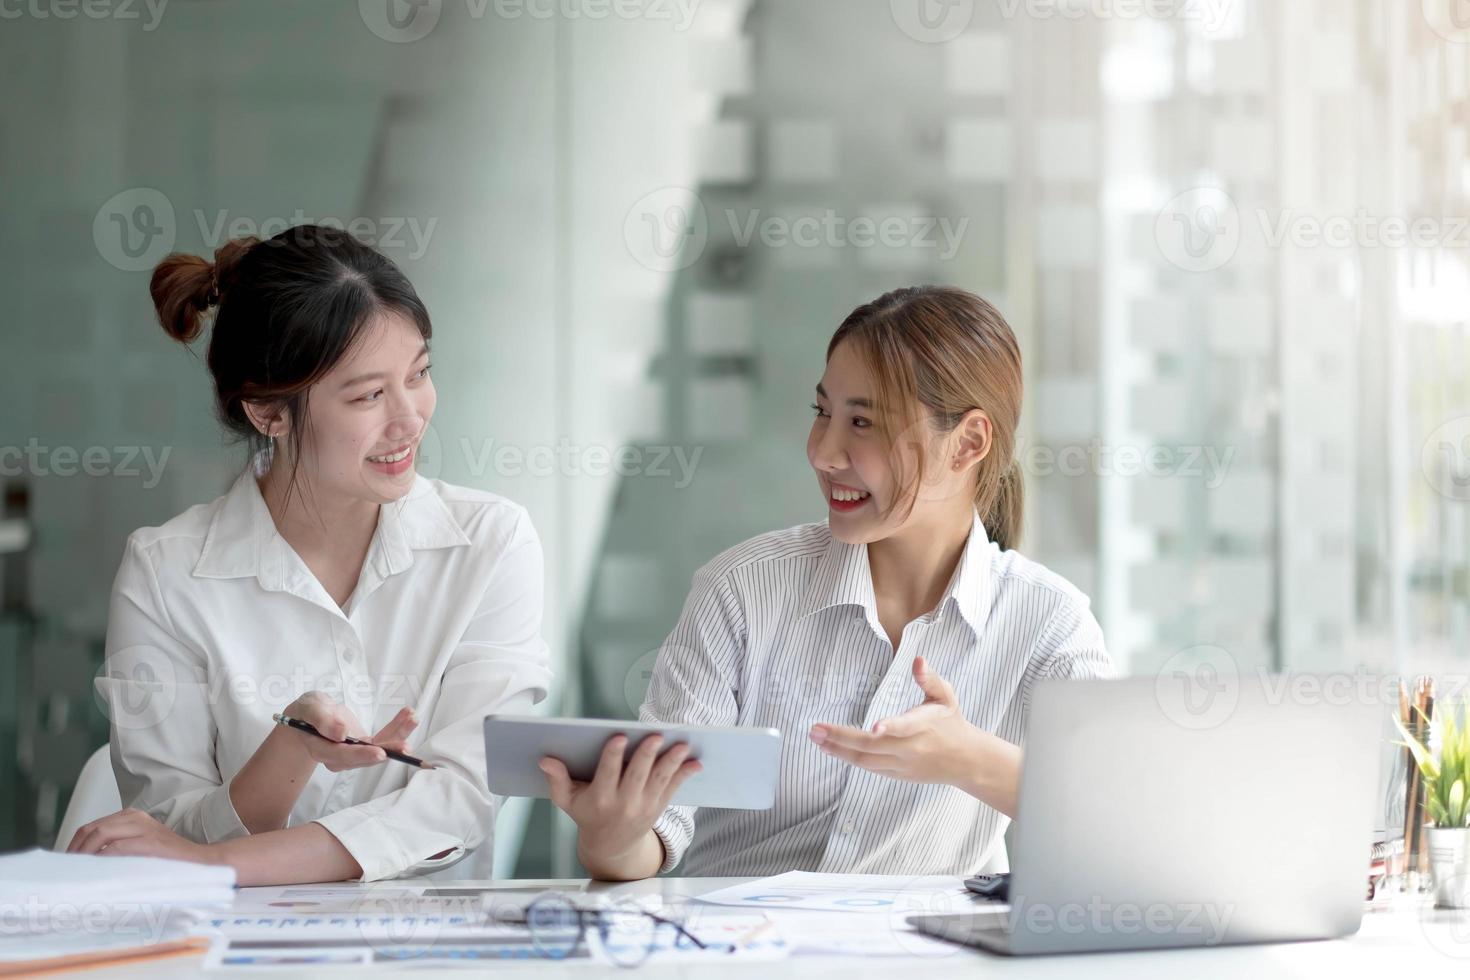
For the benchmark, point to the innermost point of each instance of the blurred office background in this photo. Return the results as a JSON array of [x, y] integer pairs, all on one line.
[[1229, 233]]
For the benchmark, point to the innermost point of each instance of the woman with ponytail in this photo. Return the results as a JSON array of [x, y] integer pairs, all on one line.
[[896, 644], [331, 584]]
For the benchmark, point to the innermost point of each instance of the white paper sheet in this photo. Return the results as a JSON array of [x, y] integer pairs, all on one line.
[[910, 894], [840, 934]]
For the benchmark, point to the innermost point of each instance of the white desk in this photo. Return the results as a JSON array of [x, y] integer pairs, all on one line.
[[1400, 944]]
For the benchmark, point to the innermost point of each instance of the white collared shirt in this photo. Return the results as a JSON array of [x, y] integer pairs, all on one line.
[[216, 624], [783, 632]]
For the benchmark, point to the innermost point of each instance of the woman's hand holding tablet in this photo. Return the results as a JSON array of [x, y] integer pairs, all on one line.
[[615, 779], [615, 812]]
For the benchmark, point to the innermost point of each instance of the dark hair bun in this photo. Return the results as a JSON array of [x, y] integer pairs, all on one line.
[[184, 287]]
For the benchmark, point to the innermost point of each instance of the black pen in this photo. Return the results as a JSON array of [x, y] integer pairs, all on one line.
[[308, 728]]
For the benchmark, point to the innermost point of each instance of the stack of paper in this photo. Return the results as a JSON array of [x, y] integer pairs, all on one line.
[[70, 910]]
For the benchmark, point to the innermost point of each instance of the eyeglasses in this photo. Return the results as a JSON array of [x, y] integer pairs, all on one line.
[[628, 934]]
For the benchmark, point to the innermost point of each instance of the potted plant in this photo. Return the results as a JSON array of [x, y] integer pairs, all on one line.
[[1446, 802]]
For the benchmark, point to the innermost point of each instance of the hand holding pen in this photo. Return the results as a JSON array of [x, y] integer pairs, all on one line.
[[330, 734]]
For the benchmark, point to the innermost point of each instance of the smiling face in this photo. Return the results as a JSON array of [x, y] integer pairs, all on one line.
[[869, 480], [367, 415]]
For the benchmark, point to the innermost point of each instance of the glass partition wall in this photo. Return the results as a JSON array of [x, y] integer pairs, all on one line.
[[1231, 238]]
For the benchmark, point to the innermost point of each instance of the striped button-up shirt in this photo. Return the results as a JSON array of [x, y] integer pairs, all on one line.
[[782, 632]]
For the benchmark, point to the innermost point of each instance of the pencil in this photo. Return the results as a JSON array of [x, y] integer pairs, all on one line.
[[1406, 715], [308, 728], [1415, 854], [1426, 721]]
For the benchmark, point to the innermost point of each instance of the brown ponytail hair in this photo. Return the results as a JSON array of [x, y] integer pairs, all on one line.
[[184, 287], [950, 352]]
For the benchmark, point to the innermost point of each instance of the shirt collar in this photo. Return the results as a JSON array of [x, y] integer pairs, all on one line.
[[242, 540], [844, 578]]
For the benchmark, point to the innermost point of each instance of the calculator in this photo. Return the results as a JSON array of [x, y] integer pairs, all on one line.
[[995, 887]]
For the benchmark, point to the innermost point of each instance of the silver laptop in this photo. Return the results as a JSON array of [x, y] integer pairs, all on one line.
[[1187, 811]]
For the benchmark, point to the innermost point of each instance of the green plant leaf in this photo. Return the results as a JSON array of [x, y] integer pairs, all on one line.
[[1449, 749], [1422, 758], [1446, 774], [1464, 740]]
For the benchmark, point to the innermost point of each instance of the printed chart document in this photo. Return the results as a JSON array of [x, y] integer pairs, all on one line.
[[411, 924], [913, 894], [855, 915]]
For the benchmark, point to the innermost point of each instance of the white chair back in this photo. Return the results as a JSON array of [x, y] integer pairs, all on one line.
[[95, 796]]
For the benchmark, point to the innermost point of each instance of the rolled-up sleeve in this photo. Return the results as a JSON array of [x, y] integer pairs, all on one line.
[[154, 690], [500, 665], [695, 682]]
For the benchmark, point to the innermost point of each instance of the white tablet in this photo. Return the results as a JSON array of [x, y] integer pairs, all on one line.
[[740, 764]]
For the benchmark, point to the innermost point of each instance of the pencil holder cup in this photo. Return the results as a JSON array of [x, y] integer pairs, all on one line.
[[1449, 860]]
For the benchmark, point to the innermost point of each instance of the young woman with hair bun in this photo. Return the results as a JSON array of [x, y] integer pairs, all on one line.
[[331, 584]]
